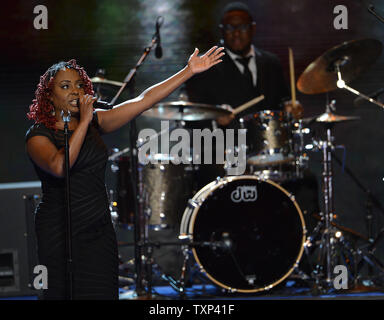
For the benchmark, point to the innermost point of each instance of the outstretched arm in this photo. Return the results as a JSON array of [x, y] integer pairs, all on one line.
[[110, 120]]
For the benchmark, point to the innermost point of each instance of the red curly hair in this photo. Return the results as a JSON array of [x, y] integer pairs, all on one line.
[[41, 108]]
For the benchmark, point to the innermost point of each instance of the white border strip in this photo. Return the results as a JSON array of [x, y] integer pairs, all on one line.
[[20, 185]]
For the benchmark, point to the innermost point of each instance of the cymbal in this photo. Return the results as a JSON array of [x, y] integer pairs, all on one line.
[[104, 80], [353, 57], [187, 111], [329, 117]]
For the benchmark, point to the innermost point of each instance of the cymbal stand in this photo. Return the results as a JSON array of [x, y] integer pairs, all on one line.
[[328, 230], [323, 272], [342, 85], [328, 201], [367, 255]]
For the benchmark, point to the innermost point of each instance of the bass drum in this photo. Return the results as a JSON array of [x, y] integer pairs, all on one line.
[[253, 233]]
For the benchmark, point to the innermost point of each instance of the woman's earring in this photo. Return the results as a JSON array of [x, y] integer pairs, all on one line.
[[53, 112]]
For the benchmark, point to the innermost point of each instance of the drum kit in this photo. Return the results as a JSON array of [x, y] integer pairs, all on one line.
[[247, 233]]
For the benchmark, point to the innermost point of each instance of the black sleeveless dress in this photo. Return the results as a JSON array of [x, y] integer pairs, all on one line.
[[94, 245]]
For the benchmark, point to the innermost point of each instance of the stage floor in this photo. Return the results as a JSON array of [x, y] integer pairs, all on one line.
[[290, 290]]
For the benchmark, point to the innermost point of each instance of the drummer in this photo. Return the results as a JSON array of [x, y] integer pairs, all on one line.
[[245, 73], [234, 83]]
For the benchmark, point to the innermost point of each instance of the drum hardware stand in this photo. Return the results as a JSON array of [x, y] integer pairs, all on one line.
[[323, 272], [342, 85], [142, 242], [67, 118], [180, 285], [118, 154], [330, 234], [366, 252], [327, 146], [324, 269], [302, 160], [177, 285], [336, 239]]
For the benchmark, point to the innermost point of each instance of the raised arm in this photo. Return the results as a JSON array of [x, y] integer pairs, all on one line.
[[110, 120]]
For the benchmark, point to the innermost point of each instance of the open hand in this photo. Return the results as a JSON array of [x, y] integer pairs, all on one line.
[[210, 58]]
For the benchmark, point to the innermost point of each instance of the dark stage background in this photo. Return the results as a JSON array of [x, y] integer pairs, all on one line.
[[112, 35]]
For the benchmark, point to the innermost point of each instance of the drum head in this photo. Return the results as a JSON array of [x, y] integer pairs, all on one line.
[[256, 231]]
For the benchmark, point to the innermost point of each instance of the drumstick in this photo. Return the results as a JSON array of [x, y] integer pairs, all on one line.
[[292, 77], [248, 104]]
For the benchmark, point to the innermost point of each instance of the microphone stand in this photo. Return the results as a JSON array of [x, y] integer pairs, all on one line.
[[66, 119], [132, 72], [139, 220]]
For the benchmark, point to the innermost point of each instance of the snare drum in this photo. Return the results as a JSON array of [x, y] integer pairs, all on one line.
[[255, 231]]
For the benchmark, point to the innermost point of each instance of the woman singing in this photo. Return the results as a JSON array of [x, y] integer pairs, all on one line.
[[66, 87]]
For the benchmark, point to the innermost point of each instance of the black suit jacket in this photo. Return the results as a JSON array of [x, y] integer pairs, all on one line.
[[224, 84]]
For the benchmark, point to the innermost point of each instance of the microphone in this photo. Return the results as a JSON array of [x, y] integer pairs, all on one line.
[[158, 49], [98, 104], [358, 101]]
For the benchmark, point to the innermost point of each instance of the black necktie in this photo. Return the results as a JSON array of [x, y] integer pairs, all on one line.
[[247, 73]]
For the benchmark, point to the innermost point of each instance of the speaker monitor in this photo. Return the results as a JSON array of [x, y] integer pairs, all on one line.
[[18, 255]]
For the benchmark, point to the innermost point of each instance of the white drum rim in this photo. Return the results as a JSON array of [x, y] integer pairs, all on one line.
[[211, 187], [189, 210]]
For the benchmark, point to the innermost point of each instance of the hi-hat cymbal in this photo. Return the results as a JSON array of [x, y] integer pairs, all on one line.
[[329, 117], [353, 58], [186, 111], [106, 81]]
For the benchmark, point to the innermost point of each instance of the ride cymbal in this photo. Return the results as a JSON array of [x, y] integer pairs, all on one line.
[[353, 57], [106, 81]]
